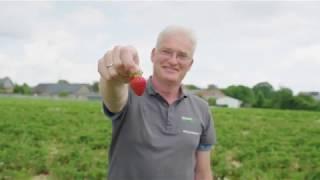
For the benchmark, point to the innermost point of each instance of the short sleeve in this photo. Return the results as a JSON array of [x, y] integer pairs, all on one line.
[[106, 111], [208, 135], [118, 115]]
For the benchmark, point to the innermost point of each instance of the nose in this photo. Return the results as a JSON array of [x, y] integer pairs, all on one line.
[[173, 58]]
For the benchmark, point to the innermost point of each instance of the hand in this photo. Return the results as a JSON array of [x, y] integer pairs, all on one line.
[[118, 64]]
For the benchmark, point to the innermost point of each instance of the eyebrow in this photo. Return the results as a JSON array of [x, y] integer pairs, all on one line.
[[182, 52]]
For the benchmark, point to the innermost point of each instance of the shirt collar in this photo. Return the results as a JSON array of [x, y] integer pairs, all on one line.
[[152, 91]]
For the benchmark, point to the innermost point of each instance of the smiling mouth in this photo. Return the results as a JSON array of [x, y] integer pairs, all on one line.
[[170, 69]]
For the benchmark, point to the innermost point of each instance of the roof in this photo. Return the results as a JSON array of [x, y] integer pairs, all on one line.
[[317, 97], [314, 94], [5, 79], [216, 93], [58, 88]]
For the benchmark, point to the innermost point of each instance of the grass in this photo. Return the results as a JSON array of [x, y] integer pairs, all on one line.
[[63, 139], [267, 144]]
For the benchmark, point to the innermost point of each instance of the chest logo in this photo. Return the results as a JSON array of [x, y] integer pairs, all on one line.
[[188, 119]]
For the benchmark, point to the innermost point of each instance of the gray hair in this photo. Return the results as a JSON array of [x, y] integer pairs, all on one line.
[[177, 29]]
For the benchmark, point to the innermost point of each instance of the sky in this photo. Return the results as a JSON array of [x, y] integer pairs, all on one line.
[[239, 42]]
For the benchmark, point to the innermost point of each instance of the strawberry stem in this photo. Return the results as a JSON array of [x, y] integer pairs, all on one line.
[[135, 74]]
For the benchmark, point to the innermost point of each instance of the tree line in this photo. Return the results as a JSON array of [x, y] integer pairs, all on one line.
[[263, 95], [25, 89]]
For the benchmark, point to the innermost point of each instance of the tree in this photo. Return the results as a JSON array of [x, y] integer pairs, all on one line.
[[260, 100], [63, 94], [26, 88], [283, 99], [95, 87], [245, 94], [191, 87], [17, 89], [265, 88], [212, 101], [304, 102], [23, 89], [318, 105]]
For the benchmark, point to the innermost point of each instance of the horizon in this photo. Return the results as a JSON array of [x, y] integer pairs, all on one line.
[[201, 87]]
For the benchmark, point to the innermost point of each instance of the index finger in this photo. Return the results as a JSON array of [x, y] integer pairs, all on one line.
[[130, 59]]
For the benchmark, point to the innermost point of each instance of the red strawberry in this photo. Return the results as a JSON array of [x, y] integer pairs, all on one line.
[[138, 83]]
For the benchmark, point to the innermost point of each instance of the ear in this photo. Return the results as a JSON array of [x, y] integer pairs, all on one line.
[[153, 53]]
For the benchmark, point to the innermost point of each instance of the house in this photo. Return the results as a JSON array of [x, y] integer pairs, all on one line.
[[79, 91], [206, 93], [228, 102], [210, 93], [315, 95], [6, 85], [214, 93]]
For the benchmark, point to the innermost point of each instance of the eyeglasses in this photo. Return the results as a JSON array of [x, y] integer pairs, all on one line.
[[169, 53]]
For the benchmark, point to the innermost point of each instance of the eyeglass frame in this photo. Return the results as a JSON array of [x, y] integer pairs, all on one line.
[[169, 53]]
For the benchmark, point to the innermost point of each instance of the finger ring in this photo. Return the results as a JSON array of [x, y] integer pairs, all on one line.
[[109, 65]]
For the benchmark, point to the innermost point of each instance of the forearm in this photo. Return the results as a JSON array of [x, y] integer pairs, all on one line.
[[204, 175], [203, 166], [114, 94]]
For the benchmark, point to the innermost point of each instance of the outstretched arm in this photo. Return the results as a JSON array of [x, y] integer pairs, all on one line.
[[115, 68]]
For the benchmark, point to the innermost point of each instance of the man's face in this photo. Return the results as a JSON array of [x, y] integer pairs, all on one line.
[[172, 59]]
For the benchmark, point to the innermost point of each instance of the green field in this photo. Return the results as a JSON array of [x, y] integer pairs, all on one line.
[[63, 139]]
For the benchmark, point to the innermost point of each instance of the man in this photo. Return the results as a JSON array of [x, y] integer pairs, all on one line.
[[165, 134]]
